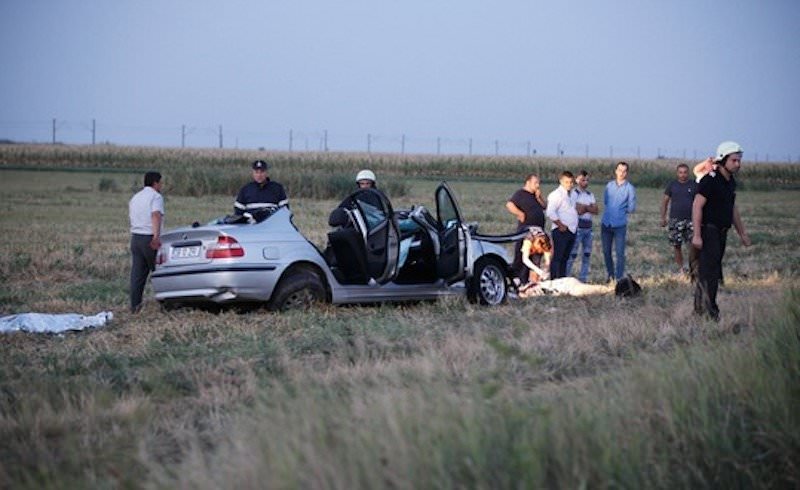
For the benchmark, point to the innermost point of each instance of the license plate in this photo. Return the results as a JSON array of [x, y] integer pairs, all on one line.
[[186, 252]]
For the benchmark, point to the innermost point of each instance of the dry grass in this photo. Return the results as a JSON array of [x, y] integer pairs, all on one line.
[[551, 391]]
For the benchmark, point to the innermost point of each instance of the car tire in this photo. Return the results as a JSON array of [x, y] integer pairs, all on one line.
[[488, 285], [297, 290]]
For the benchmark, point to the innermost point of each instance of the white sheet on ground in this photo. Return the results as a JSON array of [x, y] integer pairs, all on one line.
[[52, 323]]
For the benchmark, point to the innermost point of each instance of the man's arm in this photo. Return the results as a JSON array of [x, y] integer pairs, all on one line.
[[538, 196], [697, 220], [631, 199], [155, 218], [664, 204], [239, 204], [737, 223], [513, 209], [553, 202]]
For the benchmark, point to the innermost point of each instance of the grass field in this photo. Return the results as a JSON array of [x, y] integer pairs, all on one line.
[[545, 392]]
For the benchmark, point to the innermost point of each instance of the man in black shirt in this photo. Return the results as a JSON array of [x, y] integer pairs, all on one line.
[[260, 193], [678, 197], [527, 205], [713, 213]]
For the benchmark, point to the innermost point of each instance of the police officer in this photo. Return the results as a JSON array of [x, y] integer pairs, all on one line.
[[260, 193]]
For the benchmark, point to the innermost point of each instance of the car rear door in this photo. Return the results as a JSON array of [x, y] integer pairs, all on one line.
[[381, 236], [451, 264]]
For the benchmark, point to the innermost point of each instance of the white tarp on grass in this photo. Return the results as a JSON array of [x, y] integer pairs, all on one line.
[[52, 323]]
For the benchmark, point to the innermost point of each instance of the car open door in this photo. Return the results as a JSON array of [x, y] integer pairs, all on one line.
[[381, 237], [452, 261]]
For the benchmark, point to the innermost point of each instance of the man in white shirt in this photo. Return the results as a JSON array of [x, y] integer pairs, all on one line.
[[587, 207], [564, 217], [146, 212]]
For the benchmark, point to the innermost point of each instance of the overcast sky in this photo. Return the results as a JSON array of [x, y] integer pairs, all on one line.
[[586, 76]]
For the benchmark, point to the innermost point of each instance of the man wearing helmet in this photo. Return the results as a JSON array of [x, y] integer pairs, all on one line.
[[366, 179], [260, 193], [713, 213]]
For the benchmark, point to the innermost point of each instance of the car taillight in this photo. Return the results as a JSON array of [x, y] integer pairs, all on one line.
[[226, 248]]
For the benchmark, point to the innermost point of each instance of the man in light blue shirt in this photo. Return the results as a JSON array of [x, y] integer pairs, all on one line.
[[620, 201]]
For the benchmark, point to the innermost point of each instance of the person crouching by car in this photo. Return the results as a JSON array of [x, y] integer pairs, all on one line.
[[260, 193], [537, 244]]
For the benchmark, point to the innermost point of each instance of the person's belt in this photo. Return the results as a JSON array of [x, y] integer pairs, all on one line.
[[717, 227], [584, 223]]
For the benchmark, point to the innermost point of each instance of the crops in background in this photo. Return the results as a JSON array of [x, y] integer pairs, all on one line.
[[176, 161]]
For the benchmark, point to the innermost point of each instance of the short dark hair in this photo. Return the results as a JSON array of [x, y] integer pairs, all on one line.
[[151, 177], [583, 173], [529, 177], [682, 165], [566, 173], [625, 164]]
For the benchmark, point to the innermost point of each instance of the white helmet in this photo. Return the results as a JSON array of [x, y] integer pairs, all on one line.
[[726, 148], [366, 175]]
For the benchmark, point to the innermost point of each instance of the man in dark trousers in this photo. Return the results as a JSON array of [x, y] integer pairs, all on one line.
[[146, 213], [260, 193], [713, 213], [527, 205]]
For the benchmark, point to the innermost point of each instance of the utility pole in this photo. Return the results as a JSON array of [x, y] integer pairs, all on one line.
[[94, 128], [611, 151], [587, 151], [369, 143], [183, 136], [325, 144], [529, 148], [220, 135], [438, 145], [403, 144], [470, 147], [54, 131], [496, 148], [291, 140], [638, 152]]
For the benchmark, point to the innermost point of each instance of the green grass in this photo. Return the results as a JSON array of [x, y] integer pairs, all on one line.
[[546, 392]]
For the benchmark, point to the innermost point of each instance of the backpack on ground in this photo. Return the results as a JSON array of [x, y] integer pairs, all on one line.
[[627, 288]]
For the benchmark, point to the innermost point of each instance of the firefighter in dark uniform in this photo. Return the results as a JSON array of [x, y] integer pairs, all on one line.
[[713, 213], [260, 193]]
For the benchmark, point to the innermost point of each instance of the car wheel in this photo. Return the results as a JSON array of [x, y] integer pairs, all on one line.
[[488, 285], [296, 291]]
